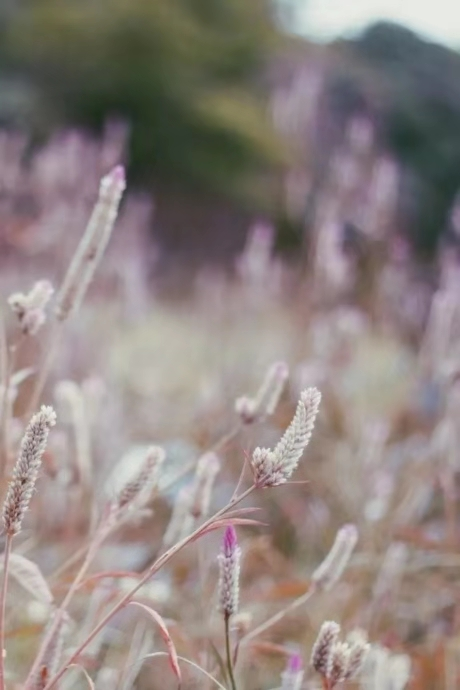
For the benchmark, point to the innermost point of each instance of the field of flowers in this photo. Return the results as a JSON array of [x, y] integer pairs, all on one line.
[[167, 519]]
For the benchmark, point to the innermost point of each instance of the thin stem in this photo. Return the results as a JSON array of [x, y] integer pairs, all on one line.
[[188, 661], [84, 548], [159, 563], [228, 652], [6, 558], [279, 616], [5, 383], [45, 368], [10, 364], [64, 604], [226, 439]]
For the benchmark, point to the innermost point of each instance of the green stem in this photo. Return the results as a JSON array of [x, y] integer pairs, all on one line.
[[6, 558], [229, 653]]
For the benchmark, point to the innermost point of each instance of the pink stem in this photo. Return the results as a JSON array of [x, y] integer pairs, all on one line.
[[63, 607], [6, 558], [159, 563]]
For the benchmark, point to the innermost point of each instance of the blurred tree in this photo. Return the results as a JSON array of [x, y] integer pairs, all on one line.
[[419, 105], [186, 74]]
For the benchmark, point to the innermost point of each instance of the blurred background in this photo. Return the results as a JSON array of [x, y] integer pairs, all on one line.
[[293, 173], [227, 110]]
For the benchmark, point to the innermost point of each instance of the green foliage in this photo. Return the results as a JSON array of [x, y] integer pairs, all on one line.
[[419, 85], [185, 73]]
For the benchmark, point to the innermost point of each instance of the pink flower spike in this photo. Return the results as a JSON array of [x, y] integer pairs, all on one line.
[[295, 663], [230, 541], [229, 573], [118, 174], [292, 677]]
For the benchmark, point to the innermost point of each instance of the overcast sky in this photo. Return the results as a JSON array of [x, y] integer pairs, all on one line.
[[438, 20]]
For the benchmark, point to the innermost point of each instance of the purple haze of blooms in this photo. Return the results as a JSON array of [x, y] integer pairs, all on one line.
[[230, 541], [295, 663]]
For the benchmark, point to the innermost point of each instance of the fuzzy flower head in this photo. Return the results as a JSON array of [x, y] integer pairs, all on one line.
[[30, 307], [138, 490], [229, 567], [206, 472], [331, 569], [274, 467], [92, 244], [267, 397], [321, 652], [25, 472], [337, 661]]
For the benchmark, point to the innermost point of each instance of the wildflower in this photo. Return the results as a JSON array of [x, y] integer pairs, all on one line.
[[140, 488], [92, 245], [358, 649], [30, 308], [338, 661], [321, 652], [267, 397], [206, 472], [181, 521], [53, 653], [229, 565], [292, 677], [274, 467], [331, 569], [25, 472]]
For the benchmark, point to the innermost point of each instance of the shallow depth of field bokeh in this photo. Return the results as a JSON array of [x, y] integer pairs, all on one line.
[[285, 202]]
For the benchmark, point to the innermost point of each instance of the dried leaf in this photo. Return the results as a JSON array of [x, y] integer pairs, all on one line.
[[29, 576], [112, 574], [290, 589], [225, 522], [88, 678], [172, 654], [21, 375]]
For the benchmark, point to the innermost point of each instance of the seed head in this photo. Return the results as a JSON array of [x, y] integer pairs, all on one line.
[[30, 308], [267, 397], [229, 566], [139, 489], [206, 472], [359, 648], [52, 654], [26, 469], [274, 467], [331, 569], [92, 245], [181, 521], [338, 661], [321, 651]]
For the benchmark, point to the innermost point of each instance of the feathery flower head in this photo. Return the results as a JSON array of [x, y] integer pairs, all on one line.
[[359, 648], [331, 569], [53, 652], [338, 661], [275, 467], [321, 651], [141, 486], [229, 567], [92, 245], [267, 397], [26, 469], [30, 308], [206, 472]]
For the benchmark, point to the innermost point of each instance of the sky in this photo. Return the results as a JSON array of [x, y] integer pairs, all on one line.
[[437, 20]]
